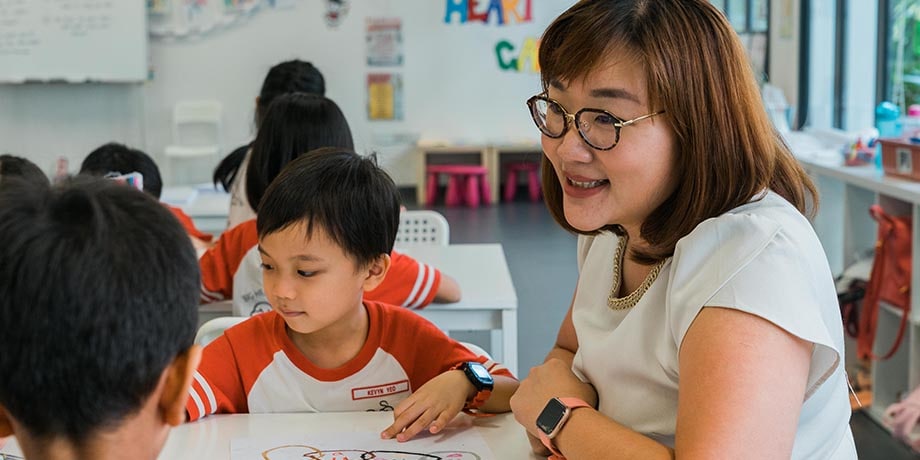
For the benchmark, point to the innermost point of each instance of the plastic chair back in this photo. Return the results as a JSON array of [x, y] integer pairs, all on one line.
[[422, 227], [476, 349], [197, 123], [212, 329]]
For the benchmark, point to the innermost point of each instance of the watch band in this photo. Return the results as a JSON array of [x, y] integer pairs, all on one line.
[[571, 404], [548, 443], [471, 407], [482, 394]]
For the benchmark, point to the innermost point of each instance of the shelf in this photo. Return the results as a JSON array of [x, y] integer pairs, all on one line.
[[846, 229], [869, 178]]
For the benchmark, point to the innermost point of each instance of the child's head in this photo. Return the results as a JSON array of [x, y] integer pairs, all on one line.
[[293, 76], [98, 313], [121, 159], [21, 168], [331, 216], [295, 123]]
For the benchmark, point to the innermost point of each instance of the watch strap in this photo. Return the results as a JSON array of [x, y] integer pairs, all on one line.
[[482, 395], [571, 404], [548, 443], [472, 407]]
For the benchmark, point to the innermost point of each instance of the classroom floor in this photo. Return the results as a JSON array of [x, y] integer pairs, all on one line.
[[541, 258]]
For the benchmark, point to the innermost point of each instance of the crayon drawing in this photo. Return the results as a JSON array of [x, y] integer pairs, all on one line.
[[461, 444]]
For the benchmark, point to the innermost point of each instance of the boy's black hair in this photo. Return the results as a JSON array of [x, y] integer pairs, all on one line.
[[347, 195], [295, 123], [98, 294], [294, 76], [119, 158], [22, 168]]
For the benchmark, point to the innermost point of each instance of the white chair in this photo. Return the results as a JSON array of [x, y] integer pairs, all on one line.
[[212, 329], [196, 135], [476, 349], [422, 227]]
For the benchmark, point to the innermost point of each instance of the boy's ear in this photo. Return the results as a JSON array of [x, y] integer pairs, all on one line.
[[178, 375], [6, 423], [376, 270]]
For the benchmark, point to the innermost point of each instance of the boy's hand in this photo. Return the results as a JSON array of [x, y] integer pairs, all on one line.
[[432, 407]]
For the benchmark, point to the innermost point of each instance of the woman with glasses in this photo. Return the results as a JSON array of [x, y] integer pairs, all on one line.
[[705, 321]]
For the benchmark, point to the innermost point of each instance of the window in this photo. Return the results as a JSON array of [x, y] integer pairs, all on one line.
[[901, 66], [840, 80], [751, 19]]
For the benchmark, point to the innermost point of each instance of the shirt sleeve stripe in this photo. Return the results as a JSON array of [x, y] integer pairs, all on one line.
[[429, 281], [419, 277], [198, 404], [212, 402], [498, 369], [210, 294]]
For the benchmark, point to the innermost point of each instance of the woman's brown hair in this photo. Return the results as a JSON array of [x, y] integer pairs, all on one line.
[[698, 73]]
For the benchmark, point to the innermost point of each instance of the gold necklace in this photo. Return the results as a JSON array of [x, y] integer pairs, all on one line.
[[622, 303]]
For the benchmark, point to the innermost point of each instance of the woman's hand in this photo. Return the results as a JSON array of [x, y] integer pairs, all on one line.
[[536, 445], [432, 407], [554, 378]]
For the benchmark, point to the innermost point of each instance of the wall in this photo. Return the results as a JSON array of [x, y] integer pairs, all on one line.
[[454, 88], [784, 48]]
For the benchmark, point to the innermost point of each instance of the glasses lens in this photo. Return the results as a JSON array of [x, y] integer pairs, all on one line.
[[599, 128], [549, 116]]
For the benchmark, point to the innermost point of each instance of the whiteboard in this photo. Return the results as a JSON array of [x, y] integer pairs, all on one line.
[[73, 40]]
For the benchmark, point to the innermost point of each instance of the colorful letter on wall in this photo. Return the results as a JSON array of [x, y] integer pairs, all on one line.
[[501, 10], [529, 52], [455, 6], [500, 49], [510, 59]]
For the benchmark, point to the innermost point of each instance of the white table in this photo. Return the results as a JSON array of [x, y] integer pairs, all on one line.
[[207, 207], [488, 299], [209, 438]]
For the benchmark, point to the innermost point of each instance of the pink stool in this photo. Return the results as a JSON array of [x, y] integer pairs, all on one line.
[[533, 180], [464, 183]]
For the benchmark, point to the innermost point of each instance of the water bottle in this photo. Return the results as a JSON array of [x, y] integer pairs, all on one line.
[[887, 120]]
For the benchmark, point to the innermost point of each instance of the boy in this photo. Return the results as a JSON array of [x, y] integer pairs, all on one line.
[[21, 168], [98, 312], [120, 159], [326, 226]]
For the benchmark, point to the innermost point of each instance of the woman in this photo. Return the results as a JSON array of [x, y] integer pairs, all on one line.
[[705, 321]]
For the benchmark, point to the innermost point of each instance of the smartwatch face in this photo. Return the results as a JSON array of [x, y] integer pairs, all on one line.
[[480, 372], [551, 416]]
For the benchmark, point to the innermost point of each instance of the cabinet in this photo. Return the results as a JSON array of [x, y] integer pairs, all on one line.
[[848, 232]]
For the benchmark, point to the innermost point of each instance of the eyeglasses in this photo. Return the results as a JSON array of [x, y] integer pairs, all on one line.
[[599, 128]]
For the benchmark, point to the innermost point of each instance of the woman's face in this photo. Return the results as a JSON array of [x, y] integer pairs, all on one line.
[[624, 184]]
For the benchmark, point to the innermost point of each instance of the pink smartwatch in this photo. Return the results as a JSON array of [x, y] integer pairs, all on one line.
[[553, 418]]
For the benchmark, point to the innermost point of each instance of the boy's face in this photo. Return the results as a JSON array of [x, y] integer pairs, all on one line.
[[310, 281]]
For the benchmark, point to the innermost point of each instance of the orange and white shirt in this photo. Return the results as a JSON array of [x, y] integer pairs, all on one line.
[[254, 367], [232, 269]]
